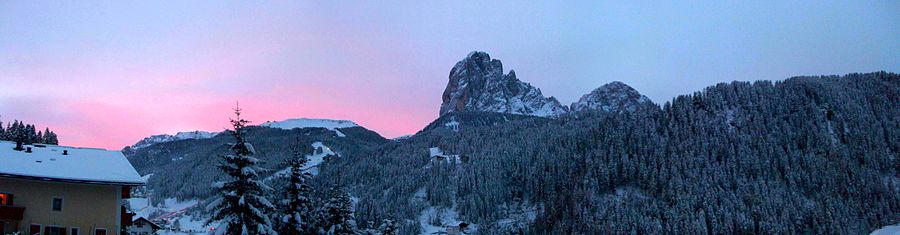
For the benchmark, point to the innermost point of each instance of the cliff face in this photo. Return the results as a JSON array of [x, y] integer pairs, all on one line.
[[477, 83]]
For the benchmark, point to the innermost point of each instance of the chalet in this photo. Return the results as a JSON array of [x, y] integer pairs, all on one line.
[[143, 226], [50, 190]]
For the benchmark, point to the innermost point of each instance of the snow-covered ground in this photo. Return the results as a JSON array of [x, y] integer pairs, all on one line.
[[312, 166], [156, 139], [401, 138], [143, 207], [888, 230], [431, 216], [436, 220], [174, 214], [309, 122]]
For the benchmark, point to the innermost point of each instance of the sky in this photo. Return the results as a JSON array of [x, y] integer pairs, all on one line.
[[108, 73]]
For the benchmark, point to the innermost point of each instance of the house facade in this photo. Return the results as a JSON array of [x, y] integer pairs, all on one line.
[[51, 190]]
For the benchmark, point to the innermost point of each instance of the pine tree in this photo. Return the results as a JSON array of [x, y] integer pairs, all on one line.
[[388, 227], [51, 138], [339, 217], [30, 135], [242, 206], [46, 137], [297, 216]]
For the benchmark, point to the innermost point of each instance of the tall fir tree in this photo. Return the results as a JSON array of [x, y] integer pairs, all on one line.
[[242, 205], [296, 217], [389, 227], [339, 218], [51, 138]]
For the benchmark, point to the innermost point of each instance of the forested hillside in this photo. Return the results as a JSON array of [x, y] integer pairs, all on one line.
[[803, 155], [185, 169]]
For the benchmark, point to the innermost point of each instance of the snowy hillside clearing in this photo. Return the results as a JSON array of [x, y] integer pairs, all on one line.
[[312, 166]]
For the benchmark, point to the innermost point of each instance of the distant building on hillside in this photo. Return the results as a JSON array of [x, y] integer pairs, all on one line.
[[48, 189], [142, 226]]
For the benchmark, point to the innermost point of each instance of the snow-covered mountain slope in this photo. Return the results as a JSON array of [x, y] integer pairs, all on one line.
[[477, 83], [614, 97], [320, 151], [312, 123], [156, 139]]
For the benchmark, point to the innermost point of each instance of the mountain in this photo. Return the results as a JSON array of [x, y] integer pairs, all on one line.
[[184, 169], [808, 155], [477, 83], [286, 124], [156, 139], [614, 97], [333, 125]]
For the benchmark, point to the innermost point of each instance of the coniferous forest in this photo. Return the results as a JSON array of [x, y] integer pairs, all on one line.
[[804, 155], [26, 133]]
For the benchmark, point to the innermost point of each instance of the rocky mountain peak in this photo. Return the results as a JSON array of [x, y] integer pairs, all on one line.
[[477, 83], [615, 97]]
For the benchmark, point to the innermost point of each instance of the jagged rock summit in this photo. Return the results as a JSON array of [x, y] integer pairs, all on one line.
[[477, 83], [614, 97]]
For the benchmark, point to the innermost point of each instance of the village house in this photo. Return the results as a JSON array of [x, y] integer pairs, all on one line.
[[48, 189], [142, 226]]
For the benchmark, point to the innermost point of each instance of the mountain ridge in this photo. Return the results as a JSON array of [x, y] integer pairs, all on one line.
[[478, 83]]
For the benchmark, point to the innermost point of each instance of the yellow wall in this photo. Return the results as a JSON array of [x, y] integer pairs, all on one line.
[[85, 206]]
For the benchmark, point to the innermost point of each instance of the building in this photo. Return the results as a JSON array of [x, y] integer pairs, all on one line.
[[51, 190], [142, 226]]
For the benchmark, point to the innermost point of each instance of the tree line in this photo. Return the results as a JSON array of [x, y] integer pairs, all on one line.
[[18, 131]]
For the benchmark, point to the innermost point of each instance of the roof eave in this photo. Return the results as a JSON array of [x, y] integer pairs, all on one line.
[[95, 182]]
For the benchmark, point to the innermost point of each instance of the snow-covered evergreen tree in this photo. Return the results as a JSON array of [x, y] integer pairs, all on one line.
[[388, 227], [242, 206], [339, 217], [296, 216]]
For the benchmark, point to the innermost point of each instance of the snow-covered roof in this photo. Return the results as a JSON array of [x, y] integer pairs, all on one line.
[[81, 165]]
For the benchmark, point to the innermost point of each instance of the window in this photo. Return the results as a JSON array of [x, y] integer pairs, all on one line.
[[76, 231], [57, 204], [34, 229], [54, 230], [6, 199], [100, 231]]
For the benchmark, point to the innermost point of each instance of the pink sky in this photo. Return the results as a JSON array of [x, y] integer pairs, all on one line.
[[107, 74]]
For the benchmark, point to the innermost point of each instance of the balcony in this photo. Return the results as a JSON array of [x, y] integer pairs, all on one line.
[[14, 213]]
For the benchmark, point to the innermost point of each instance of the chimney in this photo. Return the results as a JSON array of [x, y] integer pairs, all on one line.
[[65, 152], [18, 146], [28, 150]]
